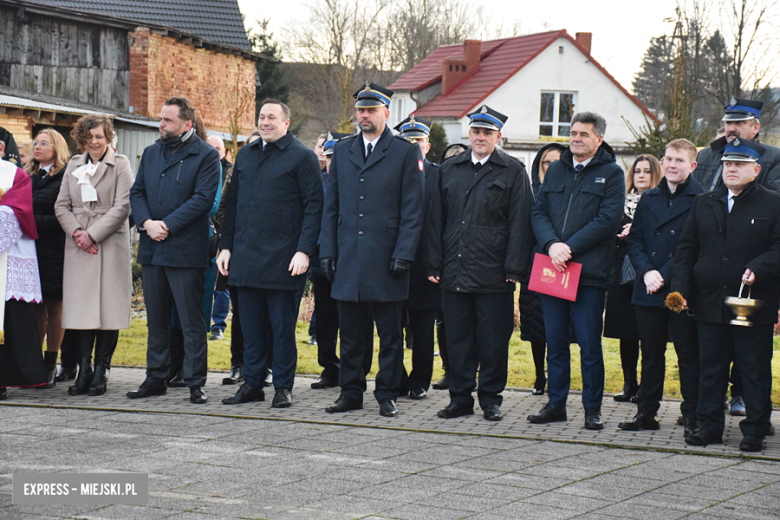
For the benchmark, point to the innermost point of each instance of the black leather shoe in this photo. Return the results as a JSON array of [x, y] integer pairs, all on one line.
[[81, 386], [417, 394], [147, 389], [234, 377], [324, 382], [387, 408], [66, 374], [198, 396], [3, 394], [593, 419], [443, 383], [691, 427], [493, 413], [99, 380], [282, 398], [641, 421], [751, 444], [344, 404], [628, 393], [245, 394], [50, 364], [703, 438], [539, 385], [455, 410], [549, 414], [176, 380], [269, 378]]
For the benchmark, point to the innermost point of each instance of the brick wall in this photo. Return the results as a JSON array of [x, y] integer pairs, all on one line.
[[21, 127], [161, 67]]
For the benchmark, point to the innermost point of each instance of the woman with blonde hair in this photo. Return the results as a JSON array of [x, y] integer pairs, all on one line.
[[93, 208], [620, 315], [46, 167]]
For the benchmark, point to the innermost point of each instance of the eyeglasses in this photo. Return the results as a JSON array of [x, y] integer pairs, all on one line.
[[42, 143]]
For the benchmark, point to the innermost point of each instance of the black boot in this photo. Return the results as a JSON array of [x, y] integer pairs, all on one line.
[[50, 364], [629, 391], [98, 384], [105, 343], [84, 379]]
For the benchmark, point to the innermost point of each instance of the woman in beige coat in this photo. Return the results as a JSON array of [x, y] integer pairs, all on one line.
[[93, 208]]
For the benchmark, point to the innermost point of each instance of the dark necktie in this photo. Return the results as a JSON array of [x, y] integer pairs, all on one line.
[[476, 166], [578, 168], [369, 149]]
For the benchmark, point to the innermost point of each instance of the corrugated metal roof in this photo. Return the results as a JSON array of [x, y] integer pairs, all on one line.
[[29, 104], [219, 21]]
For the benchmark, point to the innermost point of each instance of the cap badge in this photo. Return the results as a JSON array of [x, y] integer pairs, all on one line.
[[736, 142], [484, 109], [732, 101]]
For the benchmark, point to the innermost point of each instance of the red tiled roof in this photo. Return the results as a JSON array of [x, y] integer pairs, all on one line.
[[500, 60]]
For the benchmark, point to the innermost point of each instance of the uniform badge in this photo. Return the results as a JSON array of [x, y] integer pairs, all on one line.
[[420, 165], [732, 101], [736, 142], [484, 109]]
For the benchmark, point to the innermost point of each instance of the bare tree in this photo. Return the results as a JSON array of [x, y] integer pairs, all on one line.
[[240, 103]]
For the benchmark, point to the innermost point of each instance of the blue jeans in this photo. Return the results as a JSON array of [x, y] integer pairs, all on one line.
[[586, 314], [221, 309]]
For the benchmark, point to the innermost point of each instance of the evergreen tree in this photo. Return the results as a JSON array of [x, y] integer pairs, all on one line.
[[438, 140], [270, 81]]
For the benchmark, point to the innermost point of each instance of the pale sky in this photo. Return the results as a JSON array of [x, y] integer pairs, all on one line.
[[621, 29]]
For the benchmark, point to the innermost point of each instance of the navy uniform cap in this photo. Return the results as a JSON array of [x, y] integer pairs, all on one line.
[[743, 151], [743, 109], [372, 95], [486, 117], [414, 128], [331, 140]]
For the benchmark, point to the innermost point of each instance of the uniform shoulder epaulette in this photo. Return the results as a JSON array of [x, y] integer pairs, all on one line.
[[406, 139]]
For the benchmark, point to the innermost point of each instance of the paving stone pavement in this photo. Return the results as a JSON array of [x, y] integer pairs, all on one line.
[[249, 461]]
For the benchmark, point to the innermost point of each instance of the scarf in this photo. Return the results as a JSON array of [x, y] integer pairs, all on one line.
[[632, 199], [84, 175]]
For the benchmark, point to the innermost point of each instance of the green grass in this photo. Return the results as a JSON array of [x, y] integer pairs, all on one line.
[[132, 351]]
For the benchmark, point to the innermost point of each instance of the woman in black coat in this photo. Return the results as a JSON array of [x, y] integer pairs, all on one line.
[[46, 167], [529, 303], [620, 316]]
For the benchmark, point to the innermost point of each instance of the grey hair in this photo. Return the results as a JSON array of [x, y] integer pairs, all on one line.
[[598, 122]]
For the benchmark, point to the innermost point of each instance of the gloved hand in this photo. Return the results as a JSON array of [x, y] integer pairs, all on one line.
[[328, 266], [398, 267]]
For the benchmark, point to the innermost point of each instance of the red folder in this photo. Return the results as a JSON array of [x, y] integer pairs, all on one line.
[[546, 279]]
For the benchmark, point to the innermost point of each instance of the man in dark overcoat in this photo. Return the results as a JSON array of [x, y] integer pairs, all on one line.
[[741, 120], [658, 224], [370, 230], [424, 301], [575, 218], [732, 237], [478, 246], [272, 221], [173, 192]]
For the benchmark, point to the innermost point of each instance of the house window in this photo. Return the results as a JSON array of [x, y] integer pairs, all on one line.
[[557, 109]]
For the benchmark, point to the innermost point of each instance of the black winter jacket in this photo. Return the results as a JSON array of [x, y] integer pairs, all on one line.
[[717, 246], [50, 246], [584, 211], [479, 228], [654, 234]]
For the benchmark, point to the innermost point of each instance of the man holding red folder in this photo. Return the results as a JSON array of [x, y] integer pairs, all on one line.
[[575, 218]]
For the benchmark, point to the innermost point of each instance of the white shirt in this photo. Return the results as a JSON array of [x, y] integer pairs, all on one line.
[[366, 142], [731, 200], [583, 163], [482, 161]]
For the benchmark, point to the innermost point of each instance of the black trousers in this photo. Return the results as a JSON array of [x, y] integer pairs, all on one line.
[[356, 347], [752, 347], [162, 287], [441, 338], [479, 327], [653, 325], [421, 323], [69, 349], [326, 327], [104, 342], [236, 334]]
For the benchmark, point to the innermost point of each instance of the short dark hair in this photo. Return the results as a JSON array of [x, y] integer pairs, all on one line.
[[598, 122], [285, 108], [81, 132], [186, 108]]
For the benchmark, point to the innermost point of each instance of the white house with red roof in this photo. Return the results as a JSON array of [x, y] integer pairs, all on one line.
[[538, 80]]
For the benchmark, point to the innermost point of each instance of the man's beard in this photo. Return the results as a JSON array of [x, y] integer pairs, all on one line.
[[369, 128]]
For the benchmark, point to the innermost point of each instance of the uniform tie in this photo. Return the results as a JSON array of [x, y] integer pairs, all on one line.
[[369, 149], [578, 168]]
